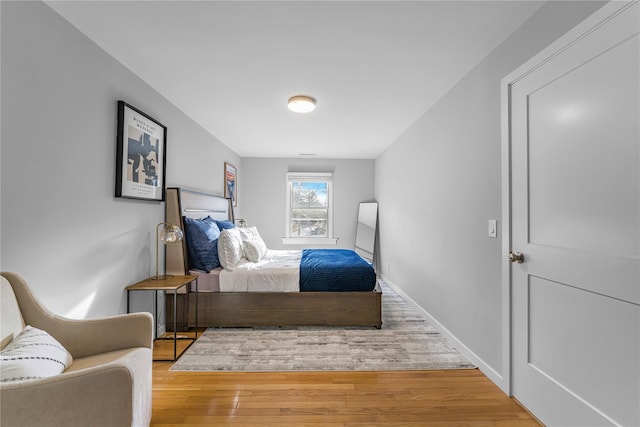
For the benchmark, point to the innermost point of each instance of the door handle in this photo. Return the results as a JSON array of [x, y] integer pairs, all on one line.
[[516, 257]]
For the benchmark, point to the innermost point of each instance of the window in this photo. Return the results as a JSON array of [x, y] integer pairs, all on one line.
[[309, 208]]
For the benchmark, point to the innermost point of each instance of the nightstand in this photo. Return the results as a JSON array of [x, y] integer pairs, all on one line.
[[173, 283]]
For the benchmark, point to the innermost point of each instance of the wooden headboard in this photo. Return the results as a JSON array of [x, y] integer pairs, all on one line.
[[192, 204]]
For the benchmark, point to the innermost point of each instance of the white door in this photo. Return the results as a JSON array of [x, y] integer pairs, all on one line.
[[575, 217]]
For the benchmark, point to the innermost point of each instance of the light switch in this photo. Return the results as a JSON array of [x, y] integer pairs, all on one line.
[[493, 228]]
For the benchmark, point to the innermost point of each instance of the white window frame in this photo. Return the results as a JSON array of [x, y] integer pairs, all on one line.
[[312, 177]]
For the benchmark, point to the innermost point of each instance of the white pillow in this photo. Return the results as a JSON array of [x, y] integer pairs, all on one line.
[[254, 249], [247, 233], [252, 244], [33, 354], [229, 247]]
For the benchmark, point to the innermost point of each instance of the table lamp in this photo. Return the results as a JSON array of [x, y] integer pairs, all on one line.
[[170, 233]]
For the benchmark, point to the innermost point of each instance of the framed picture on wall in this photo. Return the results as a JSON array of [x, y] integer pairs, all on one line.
[[140, 155], [231, 183]]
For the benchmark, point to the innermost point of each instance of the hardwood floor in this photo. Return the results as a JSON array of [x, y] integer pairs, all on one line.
[[400, 398]]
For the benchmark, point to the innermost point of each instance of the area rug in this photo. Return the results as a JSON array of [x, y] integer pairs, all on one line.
[[406, 341]]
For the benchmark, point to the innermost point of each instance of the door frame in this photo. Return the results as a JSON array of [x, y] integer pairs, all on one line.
[[590, 24]]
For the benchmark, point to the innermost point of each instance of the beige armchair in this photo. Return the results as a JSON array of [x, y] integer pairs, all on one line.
[[107, 384]]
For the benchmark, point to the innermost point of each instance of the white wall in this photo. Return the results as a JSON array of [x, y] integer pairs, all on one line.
[[262, 194], [439, 184], [62, 228]]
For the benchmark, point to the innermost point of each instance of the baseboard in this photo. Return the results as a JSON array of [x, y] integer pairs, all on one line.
[[486, 369]]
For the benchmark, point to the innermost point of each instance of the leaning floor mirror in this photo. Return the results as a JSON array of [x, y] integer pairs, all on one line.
[[366, 230]]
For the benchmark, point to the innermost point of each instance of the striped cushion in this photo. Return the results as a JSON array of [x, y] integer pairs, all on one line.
[[229, 248], [32, 354]]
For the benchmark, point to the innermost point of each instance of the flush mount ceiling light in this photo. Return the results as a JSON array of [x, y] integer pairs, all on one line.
[[302, 104]]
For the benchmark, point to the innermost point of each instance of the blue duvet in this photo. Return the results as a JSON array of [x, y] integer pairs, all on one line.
[[335, 270]]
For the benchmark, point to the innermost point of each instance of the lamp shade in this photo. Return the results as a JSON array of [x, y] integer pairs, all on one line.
[[171, 233]]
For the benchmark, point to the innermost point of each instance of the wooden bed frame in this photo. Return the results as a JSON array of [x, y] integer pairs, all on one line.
[[246, 309]]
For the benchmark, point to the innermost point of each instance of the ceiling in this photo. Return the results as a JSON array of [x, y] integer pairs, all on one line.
[[374, 67]]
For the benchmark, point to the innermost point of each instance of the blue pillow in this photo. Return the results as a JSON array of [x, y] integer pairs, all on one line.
[[202, 243], [223, 225]]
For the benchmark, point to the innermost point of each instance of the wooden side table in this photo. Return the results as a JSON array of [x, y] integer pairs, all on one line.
[[172, 283]]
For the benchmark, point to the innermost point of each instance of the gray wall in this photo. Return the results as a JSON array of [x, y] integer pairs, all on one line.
[[263, 195], [439, 184], [79, 246], [62, 228]]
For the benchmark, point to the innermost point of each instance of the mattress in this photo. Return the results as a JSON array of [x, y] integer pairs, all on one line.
[[309, 270], [277, 271]]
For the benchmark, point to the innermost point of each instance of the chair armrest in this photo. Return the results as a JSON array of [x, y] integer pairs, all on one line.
[[100, 396], [84, 338]]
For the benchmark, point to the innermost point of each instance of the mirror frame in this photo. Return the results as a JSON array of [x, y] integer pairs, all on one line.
[[366, 230]]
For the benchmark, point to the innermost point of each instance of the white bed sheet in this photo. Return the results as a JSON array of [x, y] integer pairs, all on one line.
[[277, 271]]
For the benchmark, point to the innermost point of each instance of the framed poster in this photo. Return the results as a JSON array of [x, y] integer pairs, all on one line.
[[231, 183], [140, 155]]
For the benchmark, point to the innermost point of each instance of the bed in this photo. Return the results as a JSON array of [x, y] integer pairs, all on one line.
[[274, 302]]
